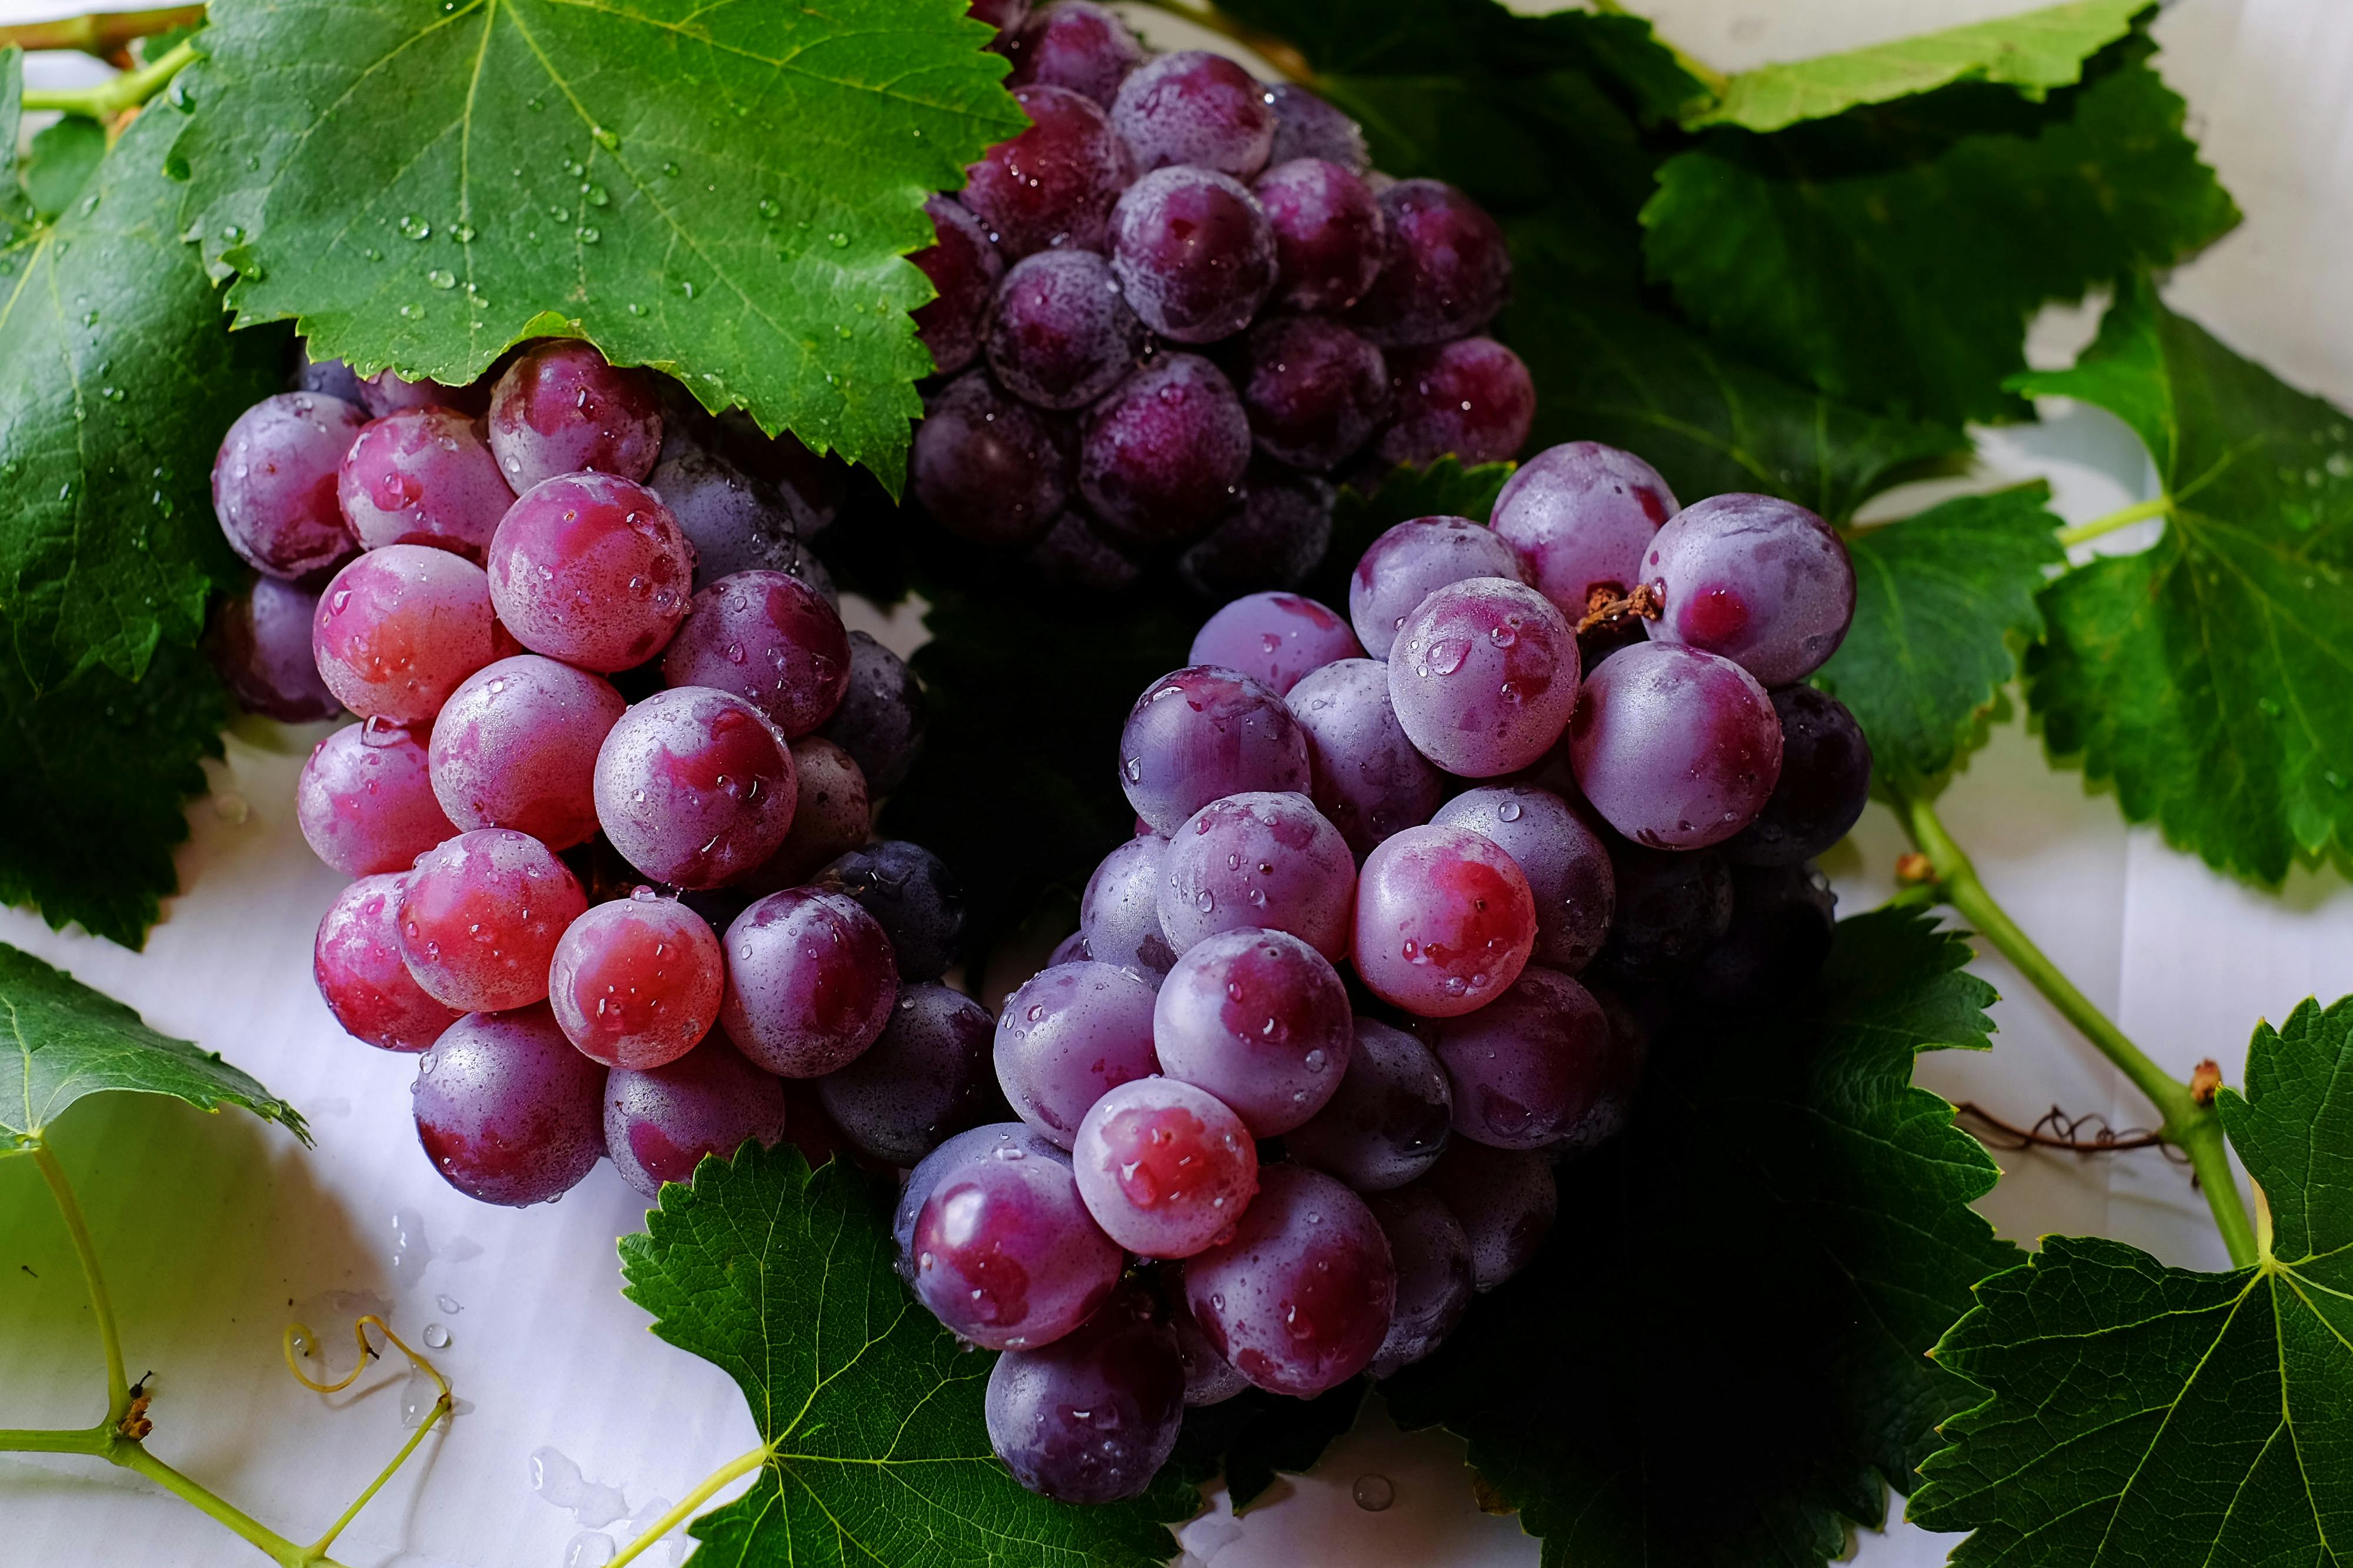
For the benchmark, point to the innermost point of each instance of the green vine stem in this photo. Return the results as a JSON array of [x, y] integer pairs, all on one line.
[[2123, 516], [101, 33], [118, 1386], [111, 97], [2194, 1127], [741, 1465]]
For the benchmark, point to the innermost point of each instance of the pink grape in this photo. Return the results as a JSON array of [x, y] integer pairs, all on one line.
[[1255, 861], [591, 569], [1505, 1199], [1092, 1417], [1580, 515], [423, 476], [274, 483], [636, 982], [1119, 916], [998, 1140], [1444, 921], [1755, 579], [661, 1120], [1329, 235], [1005, 1254], [831, 815], [986, 466], [399, 628], [963, 267], [1210, 1378], [1387, 1123], [1201, 734], [560, 409], [507, 1110], [365, 801], [810, 982], [1260, 1020], [515, 746], [1436, 1278], [1066, 1037], [1365, 776], [1062, 333], [1530, 1066], [1676, 748], [1193, 108], [1278, 533], [1566, 859], [1052, 187], [1194, 251], [1300, 1299], [1412, 561], [1483, 676], [356, 961], [1471, 398], [1307, 127], [695, 787], [1447, 271], [1163, 453], [928, 1073], [1277, 637], [771, 639], [480, 916], [1165, 1168], [1077, 44], [386, 392], [261, 643], [1314, 390]]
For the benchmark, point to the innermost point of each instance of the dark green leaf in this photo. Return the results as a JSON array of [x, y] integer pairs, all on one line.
[[60, 162], [2208, 675], [1891, 256], [1249, 1437], [1754, 1269], [1944, 603], [723, 191], [782, 1277], [2155, 1418], [60, 1041]]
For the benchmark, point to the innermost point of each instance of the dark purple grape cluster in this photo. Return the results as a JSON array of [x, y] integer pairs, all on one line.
[[507, 560], [1180, 304]]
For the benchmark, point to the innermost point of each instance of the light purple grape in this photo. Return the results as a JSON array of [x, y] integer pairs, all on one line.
[[1071, 949], [1314, 390], [386, 392], [1412, 561], [810, 982], [1276, 637], [1258, 860], [1505, 1199], [998, 1140], [988, 466], [593, 569], [928, 1073], [1272, 539], [560, 408], [1580, 516], [1676, 748], [771, 639], [1194, 251], [356, 961], [1259, 1019], [831, 815], [1329, 235], [879, 721], [1202, 733], [1191, 107], [1005, 1254], [1119, 916], [1165, 1168], [1075, 44], [1436, 1278], [1527, 1069], [734, 522], [636, 982], [1062, 333], [1387, 1123], [1210, 1378], [365, 801], [507, 1110], [659, 1122], [1367, 777], [1300, 1299], [1307, 127], [1052, 187], [963, 267], [1483, 676], [695, 787], [1066, 1037], [1755, 579], [423, 476], [330, 377], [399, 628], [274, 483], [1471, 398], [1447, 273], [1162, 457], [1074, 554], [1092, 1417], [515, 746], [261, 643], [1005, 16], [1444, 921], [1565, 860], [480, 916]]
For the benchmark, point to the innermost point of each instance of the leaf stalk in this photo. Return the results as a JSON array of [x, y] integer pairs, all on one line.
[[741, 1465], [108, 99], [2123, 516], [101, 32], [102, 1305]]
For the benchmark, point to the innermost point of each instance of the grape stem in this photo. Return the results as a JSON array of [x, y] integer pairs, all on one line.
[[101, 33], [741, 1465], [2123, 516], [2190, 1122], [111, 97]]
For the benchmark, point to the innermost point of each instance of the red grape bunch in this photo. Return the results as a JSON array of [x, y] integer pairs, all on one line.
[[1180, 304]]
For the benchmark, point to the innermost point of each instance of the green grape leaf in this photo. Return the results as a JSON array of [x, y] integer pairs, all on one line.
[[2207, 677], [59, 163], [1783, 1157], [2034, 52], [2136, 1414], [60, 1041], [1892, 255], [1944, 601], [782, 1277], [1252, 1437], [121, 376], [724, 190]]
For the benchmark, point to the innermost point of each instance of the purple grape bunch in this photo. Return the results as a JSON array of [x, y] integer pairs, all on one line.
[[1182, 304]]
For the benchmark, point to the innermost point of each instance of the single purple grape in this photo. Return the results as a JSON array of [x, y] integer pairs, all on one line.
[[1617, 1076], [831, 815], [329, 377], [1272, 539], [1071, 949], [879, 721], [1365, 776], [1412, 561], [1119, 916], [386, 392], [261, 643], [1447, 271], [1307, 127], [1676, 748], [1436, 1278], [1314, 391], [1444, 921], [771, 639], [1210, 1378], [1074, 554], [1077, 44], [1259, 1019], [989, 468], [1580, 516], [1194, 251], [1755, 579], [636, 982], [1053, 187], [1483, 676], [1162, 457], [736, 522], [1783, 919], [1300, 1299], [810, 982], [1527, 1069], [1062, 333], [560, 408], [1566, 859], [507, 1110], [423, 476], [1505, 1199], [480, 918], [929, 1073], [356, 961], [591, 569], [1092, 1417], [1005, 16], [365, 802], [1471, 398], [1671, 908], [659, 1122], [1165, 1168], [274, 483], [1329, 235], [1259, 860], [1201, 734], [1825, 783], [998, 1140], [963, 267], [1005, 1254], [1192, 108], [1388, 1121], [515, 746], [911, 891], [694, 787], [1066, 1037], [398, 629], [1276, 637]]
